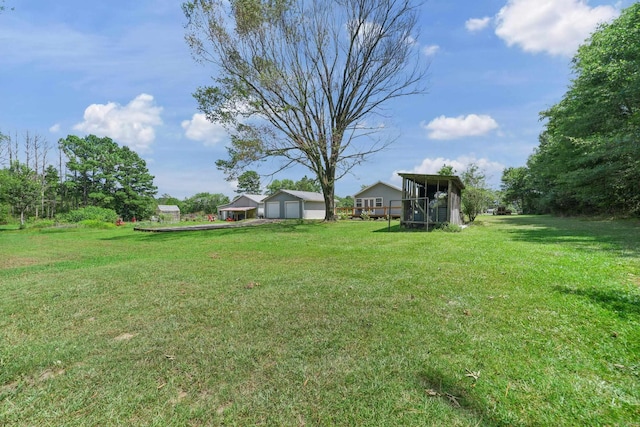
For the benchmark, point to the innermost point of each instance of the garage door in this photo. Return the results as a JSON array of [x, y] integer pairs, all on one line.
[[291, 209], [273, 210]]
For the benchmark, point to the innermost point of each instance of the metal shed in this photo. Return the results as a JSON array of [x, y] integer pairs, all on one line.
[[430, 200], [168, 213]]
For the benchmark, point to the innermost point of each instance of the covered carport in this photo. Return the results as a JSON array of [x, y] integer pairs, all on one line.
[[238, 213]]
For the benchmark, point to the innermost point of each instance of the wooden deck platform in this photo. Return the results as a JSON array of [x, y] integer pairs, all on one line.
[[200, 227]]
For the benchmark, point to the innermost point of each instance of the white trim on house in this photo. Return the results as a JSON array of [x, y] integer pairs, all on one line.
[[369, 202]]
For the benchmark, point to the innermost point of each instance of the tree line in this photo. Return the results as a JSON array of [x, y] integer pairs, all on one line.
[[87, 171], [39, 180], [588, 158]]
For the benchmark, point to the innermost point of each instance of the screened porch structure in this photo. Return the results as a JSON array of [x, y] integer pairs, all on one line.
[[430, 200]]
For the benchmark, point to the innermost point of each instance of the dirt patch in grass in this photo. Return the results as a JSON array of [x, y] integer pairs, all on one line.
[[17, 262], [50, 374], [124, 337]]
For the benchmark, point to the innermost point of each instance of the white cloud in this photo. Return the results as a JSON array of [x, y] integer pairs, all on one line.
[[185, 183], [556, 27], [366, 31], [492, 170], [477, 24], [132, 124], [459, 127], [430, 50], [55, 128], [200, 129]]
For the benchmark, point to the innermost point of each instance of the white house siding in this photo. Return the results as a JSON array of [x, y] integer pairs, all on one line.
[[314, 210]]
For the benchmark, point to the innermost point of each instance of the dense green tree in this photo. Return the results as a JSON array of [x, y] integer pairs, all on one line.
[[134, 188], [346, 202], [205, 203], [476, 196], [308, 184], [101, 173], [249, 183], [168, 199], [304, 184], [447, 170], [86, 158], [280, 184], [517, 189], [19, 188], [588, 160], [313, 73]]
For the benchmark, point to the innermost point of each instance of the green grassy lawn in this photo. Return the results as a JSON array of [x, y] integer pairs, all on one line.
[[516, 321]]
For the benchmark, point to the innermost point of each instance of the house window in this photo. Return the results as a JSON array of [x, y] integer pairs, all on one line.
[[369, 203]]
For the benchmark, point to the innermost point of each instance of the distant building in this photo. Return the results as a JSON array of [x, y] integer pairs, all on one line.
[[295, 204], [378, 200], [168, 213], [244, 206]]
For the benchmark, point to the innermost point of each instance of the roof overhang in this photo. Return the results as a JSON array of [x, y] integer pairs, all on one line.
[[422, 178], [238, 209]]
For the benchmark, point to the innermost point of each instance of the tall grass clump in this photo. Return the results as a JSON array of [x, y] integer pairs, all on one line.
[[92, 213]]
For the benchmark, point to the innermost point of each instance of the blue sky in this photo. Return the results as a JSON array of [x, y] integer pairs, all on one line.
[[122, 69]]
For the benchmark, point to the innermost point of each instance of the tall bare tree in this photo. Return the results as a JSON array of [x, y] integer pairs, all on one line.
[[305, 81], [5, 148]]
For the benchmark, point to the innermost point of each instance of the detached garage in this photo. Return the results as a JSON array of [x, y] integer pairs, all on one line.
[[292, 204]]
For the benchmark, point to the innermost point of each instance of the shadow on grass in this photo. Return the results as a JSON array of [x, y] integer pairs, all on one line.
[[440, 386], [396, 228], [623, 304], [620, 236]]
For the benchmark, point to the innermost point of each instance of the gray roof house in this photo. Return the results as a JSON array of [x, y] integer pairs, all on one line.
[[169, 213], [244, 206], [378, 200], [295, 204], [430, 200]]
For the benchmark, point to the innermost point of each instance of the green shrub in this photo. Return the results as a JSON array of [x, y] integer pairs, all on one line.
[[449, 228], [343, 215], [91, 213], [42, 223], [94, 223], [5, 215]]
